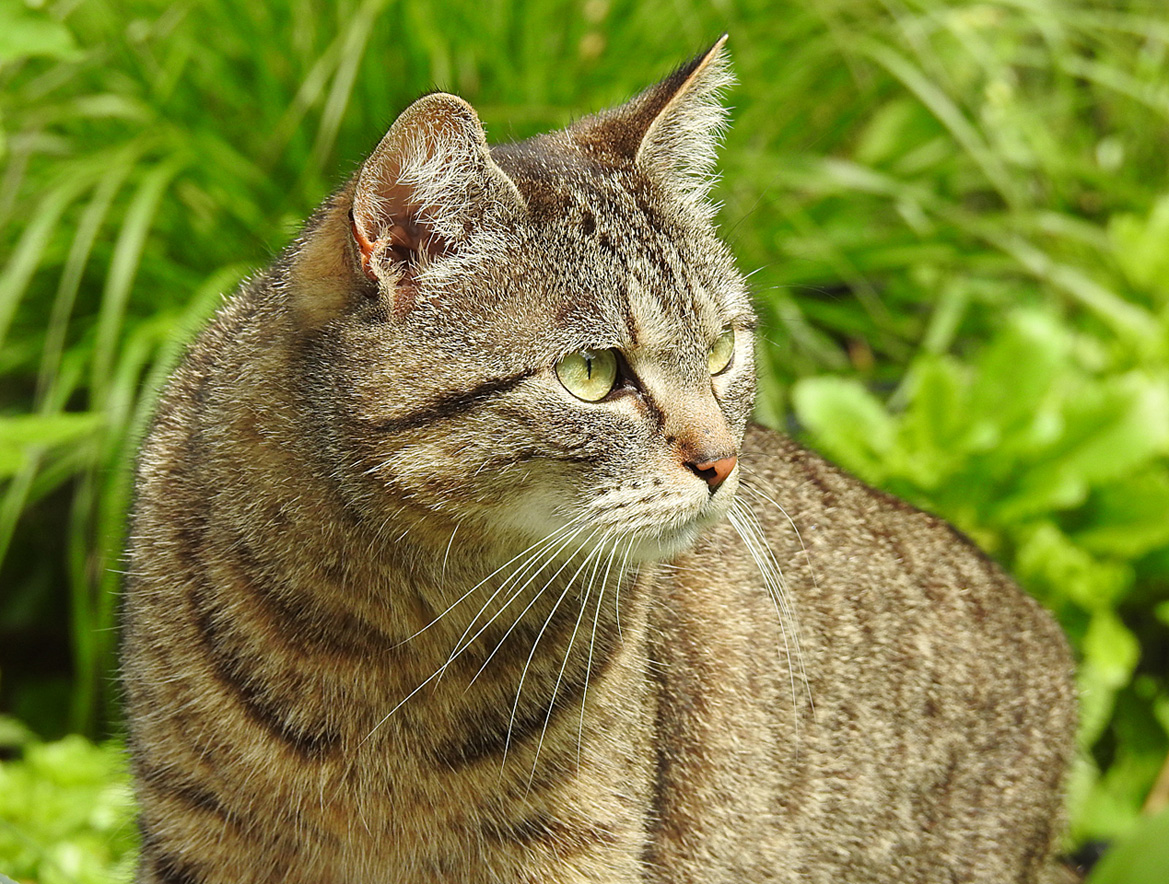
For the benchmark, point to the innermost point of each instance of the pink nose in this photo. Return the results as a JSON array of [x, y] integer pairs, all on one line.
[[714, 472]]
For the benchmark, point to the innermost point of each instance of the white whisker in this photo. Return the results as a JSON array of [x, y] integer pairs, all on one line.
[[593, 638], [750, 531], [546, 541], [533, 553], [516, 594], [594, 554]]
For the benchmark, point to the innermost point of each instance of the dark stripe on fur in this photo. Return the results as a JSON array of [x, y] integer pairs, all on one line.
[[630, 321], [654, 410], [489, 735], [167, 869], [655, 818], [453, 404], [304, 620], [231, 671], [526, 455], [179, 787]]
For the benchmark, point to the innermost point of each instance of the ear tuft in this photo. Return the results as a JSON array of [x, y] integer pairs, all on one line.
[[681, 144], [670, 132], [425, 187]]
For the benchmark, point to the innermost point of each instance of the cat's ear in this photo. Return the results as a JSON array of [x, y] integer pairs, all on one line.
[[428, 185], [671, 131]]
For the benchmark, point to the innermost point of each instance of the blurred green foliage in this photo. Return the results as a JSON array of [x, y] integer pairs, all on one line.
[[955, 216], [1143, 857], [66, 813]]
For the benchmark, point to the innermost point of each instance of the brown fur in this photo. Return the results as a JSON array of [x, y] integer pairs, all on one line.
[[345, 467]]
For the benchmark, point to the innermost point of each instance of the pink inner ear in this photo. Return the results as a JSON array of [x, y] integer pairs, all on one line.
[[401, 243], [364, 247]]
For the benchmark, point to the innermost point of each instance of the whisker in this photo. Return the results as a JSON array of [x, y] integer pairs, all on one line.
[[747, 486], [749, 529], [548, 540], [535, 563], [446, 556], [516, 594], [539, 546], [594, 554], [584, 697], [620, 578], [781, 589]]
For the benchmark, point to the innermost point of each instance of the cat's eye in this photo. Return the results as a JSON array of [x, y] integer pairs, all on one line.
[[721, 351], [588, 374]]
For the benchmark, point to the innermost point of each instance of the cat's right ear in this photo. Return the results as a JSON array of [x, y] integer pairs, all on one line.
[[427, 187]]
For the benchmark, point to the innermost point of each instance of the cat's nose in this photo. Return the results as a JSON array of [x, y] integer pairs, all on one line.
[[714, 472]]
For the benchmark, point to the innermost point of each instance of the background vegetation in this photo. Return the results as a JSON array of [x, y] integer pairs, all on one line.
[[956, 215]]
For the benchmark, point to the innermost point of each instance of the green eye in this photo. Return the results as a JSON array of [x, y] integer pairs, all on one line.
[[721, 351], [588, 374]]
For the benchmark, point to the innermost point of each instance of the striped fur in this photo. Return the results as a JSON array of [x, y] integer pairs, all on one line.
[[402, 608]]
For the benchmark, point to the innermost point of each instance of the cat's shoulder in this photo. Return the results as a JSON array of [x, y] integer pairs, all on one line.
[[849, 541]]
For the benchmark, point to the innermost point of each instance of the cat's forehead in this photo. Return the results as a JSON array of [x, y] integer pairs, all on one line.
[[562, 183], [614, 257]]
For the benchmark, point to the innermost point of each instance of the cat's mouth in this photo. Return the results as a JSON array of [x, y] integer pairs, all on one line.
[[635, 524], [669, 537]]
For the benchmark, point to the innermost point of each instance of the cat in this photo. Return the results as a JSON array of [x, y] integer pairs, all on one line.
[[456, 558]]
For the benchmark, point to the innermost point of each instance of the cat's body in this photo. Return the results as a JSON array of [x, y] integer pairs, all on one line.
[[377, 465]]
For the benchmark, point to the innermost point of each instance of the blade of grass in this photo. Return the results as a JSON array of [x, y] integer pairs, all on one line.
[[948, 113], [70, 281], [356, 39], [35, 239], [136, 225]]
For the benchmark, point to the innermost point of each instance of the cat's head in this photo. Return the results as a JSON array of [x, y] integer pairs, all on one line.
[[537, 337]]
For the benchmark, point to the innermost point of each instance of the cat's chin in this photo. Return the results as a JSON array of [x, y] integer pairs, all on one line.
[[674, 540], [665, 546], [628, 535]]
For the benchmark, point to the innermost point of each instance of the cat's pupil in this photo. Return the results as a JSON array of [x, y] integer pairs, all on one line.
[[588, 374]]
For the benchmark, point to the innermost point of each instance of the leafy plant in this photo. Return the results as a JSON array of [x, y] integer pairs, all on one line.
[[1142, 858], [66, 815]]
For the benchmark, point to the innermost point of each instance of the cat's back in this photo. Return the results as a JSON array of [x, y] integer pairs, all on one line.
[[916, 682]]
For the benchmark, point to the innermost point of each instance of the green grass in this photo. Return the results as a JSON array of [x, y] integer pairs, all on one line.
[[956, 216]]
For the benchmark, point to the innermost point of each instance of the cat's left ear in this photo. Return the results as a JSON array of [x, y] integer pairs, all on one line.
[[426, 188], [429, 192], [671, 131]]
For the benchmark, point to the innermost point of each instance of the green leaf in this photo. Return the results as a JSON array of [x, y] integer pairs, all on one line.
[[124, 265], [13, 733], [25, 33], [1110, 654], [47, 430], [1141, 247], [20, 433], [1112, 427], [847, 423], [1015, 382], [1048, 559], [1131, 517], [1141, 858], [66, 813], [1112, 648], [1161, 611], [935, 429], [895, 128]]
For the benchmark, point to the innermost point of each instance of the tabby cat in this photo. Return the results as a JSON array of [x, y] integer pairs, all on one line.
[[455, 558]]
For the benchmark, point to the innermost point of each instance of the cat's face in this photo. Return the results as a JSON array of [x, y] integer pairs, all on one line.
[[556, 346]]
